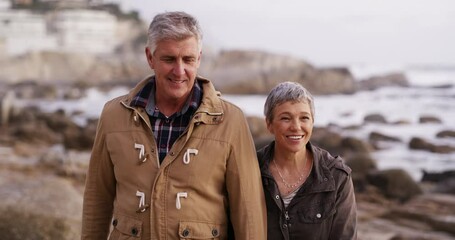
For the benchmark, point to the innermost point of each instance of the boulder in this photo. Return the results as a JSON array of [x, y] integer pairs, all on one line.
[[388, 80], [422, 144], [429, 119], [446, 134], [257, 72], [361, 164], [374, 118], [395, 184], [37, 206]]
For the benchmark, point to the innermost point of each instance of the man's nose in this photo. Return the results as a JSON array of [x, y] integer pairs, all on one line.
[[179, 68]]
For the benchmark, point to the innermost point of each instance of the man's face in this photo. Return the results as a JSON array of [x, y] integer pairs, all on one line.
[[175, 63]]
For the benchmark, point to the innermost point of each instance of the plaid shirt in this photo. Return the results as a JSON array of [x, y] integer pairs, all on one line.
[[167, 129]]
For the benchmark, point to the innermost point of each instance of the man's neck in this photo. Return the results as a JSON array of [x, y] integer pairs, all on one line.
[[171, 106]]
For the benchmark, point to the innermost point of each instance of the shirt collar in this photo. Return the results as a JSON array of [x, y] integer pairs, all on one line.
[[145, 98]]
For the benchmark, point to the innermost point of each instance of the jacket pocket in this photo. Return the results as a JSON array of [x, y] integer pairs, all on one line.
[[316, 213], [125, 227], [199, 230]]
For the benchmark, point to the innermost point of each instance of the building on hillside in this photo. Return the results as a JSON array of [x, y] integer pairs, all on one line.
[[85, 30], [23, 31], [70, 30]]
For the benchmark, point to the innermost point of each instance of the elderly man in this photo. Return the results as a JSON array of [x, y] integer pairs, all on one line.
[[171, 159]]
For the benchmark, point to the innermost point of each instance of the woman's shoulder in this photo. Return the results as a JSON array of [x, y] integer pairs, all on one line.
[[330, 161]]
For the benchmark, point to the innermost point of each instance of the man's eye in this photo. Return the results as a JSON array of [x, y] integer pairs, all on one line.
[[189, 60]]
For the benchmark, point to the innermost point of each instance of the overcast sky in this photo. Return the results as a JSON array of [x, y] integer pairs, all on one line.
[[324, 32]]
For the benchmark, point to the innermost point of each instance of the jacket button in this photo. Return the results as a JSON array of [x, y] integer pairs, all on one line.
[[318, 215], [114, 223], [214, 232], [186, 232], [277, 197], [285, 226], [172, 153], [134, 231]]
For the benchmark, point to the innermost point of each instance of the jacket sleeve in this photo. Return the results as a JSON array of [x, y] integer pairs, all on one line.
[[244, 186], [99, 190], [344, 224]]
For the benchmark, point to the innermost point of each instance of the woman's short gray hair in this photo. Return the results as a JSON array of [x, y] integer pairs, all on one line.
[[285, 92], [175, 26]]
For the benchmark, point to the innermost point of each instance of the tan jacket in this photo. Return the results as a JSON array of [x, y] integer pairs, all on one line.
[[208, 183]]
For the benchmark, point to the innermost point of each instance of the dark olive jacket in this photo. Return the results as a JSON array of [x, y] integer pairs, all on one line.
[[323, 208]]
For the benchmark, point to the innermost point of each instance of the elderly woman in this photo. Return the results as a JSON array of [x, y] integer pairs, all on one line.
[[309, 193]]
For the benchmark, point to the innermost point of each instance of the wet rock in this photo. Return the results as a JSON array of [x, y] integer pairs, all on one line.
[[374, 118], [352, 145], [421, 144], [361, 165], [395, 184], [388, 80], [327, 139], [429, 119], [437, 176], [446, 186], [446, 134], [376, 136]]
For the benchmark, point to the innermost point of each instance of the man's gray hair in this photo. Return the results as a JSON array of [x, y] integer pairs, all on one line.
[[173, 25], [285, 92]]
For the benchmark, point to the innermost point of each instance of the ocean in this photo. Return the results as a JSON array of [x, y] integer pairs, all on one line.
[[432, 93]]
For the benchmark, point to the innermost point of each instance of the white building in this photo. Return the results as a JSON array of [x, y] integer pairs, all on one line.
[[85, 31], [77, 30], [23, 31]]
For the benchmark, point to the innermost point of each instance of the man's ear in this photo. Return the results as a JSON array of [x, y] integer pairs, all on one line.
[[149, 56], [199, 59]]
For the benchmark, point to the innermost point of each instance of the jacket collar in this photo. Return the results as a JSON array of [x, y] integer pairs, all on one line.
[[320, 178], [209, 112]]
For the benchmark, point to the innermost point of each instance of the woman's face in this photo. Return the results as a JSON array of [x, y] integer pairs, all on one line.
[[292, 126]]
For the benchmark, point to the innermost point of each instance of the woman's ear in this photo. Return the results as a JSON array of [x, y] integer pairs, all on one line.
[[269, 126]]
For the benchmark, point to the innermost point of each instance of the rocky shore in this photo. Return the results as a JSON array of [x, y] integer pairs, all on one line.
[[44, 156]]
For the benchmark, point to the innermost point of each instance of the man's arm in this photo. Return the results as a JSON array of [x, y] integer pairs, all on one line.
[[244, 186], [99, 191]]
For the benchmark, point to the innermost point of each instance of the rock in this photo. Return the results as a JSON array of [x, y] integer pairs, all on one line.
[[429, 119], [327, 139], [437, 176], [376, 136], [330, 81], [37, 206], [446, 186], [256, 72], [446, 134], [421, 144], [395, 184], [352, 145], [431, 212], [258, 127], [374, 118], [375, 82], [361, 165]]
